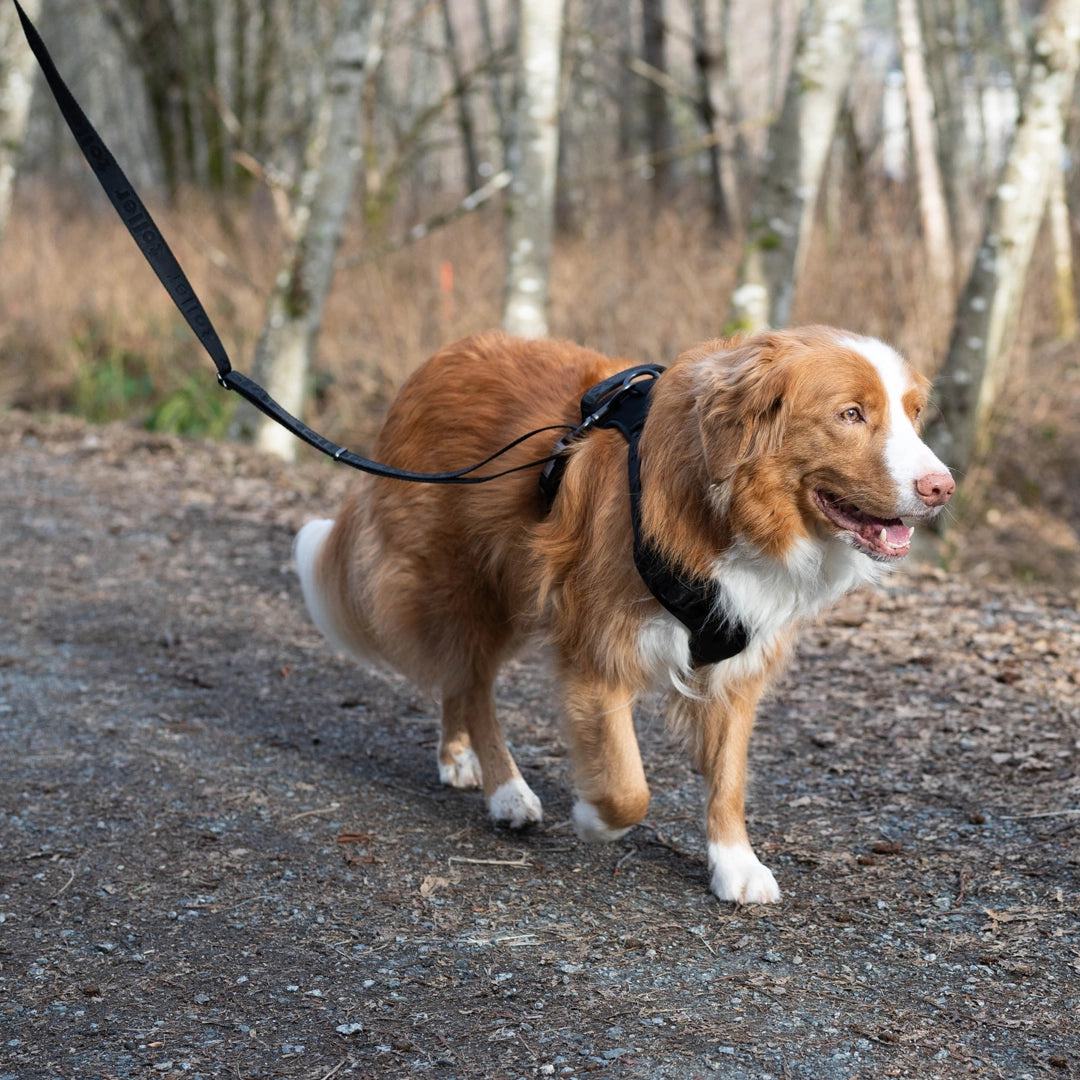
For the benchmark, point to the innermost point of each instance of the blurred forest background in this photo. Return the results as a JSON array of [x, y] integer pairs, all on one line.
[[902, 169]]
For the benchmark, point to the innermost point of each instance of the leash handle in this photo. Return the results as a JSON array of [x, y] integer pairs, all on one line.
[[144, 231]]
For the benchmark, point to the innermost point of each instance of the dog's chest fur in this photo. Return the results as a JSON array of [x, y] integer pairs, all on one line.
[[768, 596]]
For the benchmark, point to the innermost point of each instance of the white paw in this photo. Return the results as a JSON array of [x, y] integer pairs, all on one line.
[[515, 805], [739, 876], [463, 772], [590, 826]]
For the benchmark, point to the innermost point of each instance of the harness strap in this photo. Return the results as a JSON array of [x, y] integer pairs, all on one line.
[[622, 402], [613, 402], [163, 262]]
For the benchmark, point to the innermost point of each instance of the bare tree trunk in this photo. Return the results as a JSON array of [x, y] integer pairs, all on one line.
[[1057, 209], [1015, 41], [466, 125], [975, 367], [716, 107], [1064, 279], [498, 91], [16, 87], [937, 238], [657, 115], [294, 316], [783, 212], [626, 92], [151, 34], [535, 164], [944, 50]]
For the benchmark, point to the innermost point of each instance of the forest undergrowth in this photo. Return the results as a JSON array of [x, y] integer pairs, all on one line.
[[86, 329]]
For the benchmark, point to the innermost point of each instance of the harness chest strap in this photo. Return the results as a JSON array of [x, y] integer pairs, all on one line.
[[622, 402]]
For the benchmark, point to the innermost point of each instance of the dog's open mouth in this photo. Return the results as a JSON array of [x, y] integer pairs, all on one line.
[[882, 538]]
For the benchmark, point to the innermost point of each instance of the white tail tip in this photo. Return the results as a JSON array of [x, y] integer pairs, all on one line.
[[306, 548]]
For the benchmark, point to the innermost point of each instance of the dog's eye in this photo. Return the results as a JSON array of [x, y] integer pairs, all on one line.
[[852, 415]]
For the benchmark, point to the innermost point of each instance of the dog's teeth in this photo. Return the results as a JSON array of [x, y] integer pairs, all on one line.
[[883, 536]]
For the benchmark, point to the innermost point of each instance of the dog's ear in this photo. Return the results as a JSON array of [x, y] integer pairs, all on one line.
[[742, 404]]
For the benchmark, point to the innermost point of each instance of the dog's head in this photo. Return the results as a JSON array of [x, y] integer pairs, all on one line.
[[815, 432]]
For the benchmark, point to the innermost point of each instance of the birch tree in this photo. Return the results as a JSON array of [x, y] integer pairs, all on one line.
[[975, 367], [782, 215], [294, 315], [933, 211], [16, 85], [534, 164]]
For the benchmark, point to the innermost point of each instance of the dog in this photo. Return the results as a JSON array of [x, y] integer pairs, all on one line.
[[781, 470]]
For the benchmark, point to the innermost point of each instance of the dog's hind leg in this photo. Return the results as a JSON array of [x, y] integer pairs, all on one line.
[[472, 750], [611, 787], [458, 764]]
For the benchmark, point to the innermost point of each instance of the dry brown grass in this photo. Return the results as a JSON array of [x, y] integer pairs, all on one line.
[[75, 291], [77, 300]]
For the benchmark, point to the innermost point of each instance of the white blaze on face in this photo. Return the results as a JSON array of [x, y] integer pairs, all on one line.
[[907, 457]]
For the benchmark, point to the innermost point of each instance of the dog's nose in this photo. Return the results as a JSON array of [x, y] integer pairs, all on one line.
[[936, 488]]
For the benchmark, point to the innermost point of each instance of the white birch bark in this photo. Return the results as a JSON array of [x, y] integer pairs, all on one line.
[[1064, 279], [933, 211], [782, 215], [17, 69], [294, 315], [975, 367], [531, 205]]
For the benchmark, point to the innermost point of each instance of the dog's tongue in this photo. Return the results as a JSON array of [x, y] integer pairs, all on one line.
[[889, 537]]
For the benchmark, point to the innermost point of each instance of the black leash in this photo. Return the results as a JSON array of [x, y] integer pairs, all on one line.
[[621, 401], [163, 262]]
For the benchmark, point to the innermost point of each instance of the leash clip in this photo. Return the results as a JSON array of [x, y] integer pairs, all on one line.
[[597, 402], [612, 398]]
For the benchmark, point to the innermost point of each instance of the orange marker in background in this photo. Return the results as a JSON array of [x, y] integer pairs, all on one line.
[[446, 290]]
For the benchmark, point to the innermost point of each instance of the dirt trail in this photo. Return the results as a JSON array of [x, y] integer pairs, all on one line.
[[225, 851]]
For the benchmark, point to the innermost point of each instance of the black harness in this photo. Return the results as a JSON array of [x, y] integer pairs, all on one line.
[[622, 402]]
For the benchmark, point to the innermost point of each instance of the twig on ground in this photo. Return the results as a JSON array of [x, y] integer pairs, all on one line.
[[523, 861], [319, 810]]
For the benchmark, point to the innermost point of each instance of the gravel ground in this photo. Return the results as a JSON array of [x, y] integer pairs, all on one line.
[[226, 852]]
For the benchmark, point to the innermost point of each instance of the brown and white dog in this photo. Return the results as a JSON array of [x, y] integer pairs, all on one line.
[[781, 466]]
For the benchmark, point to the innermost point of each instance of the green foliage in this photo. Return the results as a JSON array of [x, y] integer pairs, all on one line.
[[1030, 491], [736, 326], [111, 382], [197, 407]]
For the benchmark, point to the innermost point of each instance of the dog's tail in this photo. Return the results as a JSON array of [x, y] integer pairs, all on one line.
[[307, 548]]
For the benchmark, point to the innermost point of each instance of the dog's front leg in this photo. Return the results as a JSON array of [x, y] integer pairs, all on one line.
[[720, 726], [611, 788]]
